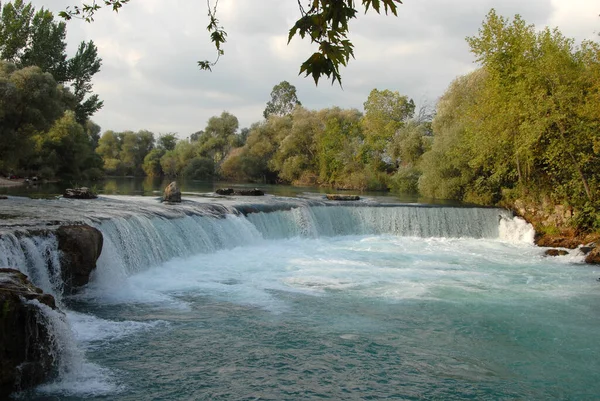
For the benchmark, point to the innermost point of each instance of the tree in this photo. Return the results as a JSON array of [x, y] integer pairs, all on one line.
[[30, 102], [46, 46], [81, 68], [325, 22], [219, 137], [167, 141], [30, 38], [283, 100], [385, 113], [15, 29]]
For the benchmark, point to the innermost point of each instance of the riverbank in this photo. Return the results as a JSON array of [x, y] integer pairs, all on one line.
[[5, 182]]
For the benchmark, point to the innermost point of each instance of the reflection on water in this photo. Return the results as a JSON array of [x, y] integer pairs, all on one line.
[[153, 186]]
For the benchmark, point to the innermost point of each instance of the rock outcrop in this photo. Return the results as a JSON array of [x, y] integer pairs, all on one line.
[[27, 354], [172, 193], [80, 247], [594, 256], [3, 197], [79, 193], [339, 197]]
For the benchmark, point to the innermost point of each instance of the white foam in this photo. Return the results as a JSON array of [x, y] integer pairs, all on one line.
[[91, 331], [516, 230]]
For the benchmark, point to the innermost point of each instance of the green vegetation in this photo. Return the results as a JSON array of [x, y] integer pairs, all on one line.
[[45, 97], [525, 124]]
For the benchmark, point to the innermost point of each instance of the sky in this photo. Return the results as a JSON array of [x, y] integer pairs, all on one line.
[[150, 79]]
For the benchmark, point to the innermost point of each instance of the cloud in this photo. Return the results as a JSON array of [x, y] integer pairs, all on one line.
[[150, 50]]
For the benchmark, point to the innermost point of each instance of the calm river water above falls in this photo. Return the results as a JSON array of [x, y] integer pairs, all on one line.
[[318, 302]]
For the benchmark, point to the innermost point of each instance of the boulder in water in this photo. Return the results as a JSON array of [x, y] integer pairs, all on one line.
[[240, 192], [3, 197], [80, 247], [225, 191], [339, 197], [555, 252], [27, 350], [250, 192], [79, 193], [594, 256], [172, 193]]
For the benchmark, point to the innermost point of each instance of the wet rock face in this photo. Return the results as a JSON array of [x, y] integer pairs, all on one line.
[[79, 193], [172, 193], [80, 247], [27, 354]]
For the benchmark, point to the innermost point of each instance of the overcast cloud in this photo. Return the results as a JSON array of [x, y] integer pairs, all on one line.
[[150, 79]]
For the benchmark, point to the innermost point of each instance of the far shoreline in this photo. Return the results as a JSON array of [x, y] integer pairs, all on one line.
[[4, 182]]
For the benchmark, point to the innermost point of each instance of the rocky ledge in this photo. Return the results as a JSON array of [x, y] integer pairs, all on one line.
[[27, 354]]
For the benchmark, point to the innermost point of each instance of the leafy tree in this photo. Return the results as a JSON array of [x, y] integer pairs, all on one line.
[[219, 136], [200, 168], [283, 100], [15, 29], [65, 147], [151, 165], [30, 102], [385, 113], [81, 68], [167, 141], [324, 22], [30, 38], [46, 47]]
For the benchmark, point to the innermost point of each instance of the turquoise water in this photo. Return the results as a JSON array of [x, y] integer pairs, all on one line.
[[314, 301], [346, 317]]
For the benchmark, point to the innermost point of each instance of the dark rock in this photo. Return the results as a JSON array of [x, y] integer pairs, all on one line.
[[557, 242], [172, 193], [250, 192], [28, 354], [79, 193], [225, 191], [3, 197], [555, 252], [585, 249], [593, 257], [80, 248], [339, 197]]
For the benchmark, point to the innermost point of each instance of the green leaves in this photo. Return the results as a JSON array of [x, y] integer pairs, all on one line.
[[327, 24], [87, 10]]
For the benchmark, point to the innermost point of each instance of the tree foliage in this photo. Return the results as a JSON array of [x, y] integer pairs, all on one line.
[[283, 100]]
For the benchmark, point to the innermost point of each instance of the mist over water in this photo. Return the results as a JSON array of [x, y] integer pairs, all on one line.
[[332, 303]]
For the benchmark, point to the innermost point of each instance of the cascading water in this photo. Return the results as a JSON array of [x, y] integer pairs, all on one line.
[[339, 302]]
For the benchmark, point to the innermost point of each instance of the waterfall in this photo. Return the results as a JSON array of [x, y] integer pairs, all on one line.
[[36, 256], [413, 221]]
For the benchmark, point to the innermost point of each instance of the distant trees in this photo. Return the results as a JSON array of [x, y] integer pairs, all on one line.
[[283, 100]]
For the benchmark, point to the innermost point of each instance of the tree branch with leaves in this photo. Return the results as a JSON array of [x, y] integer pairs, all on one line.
[[324, 22]]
